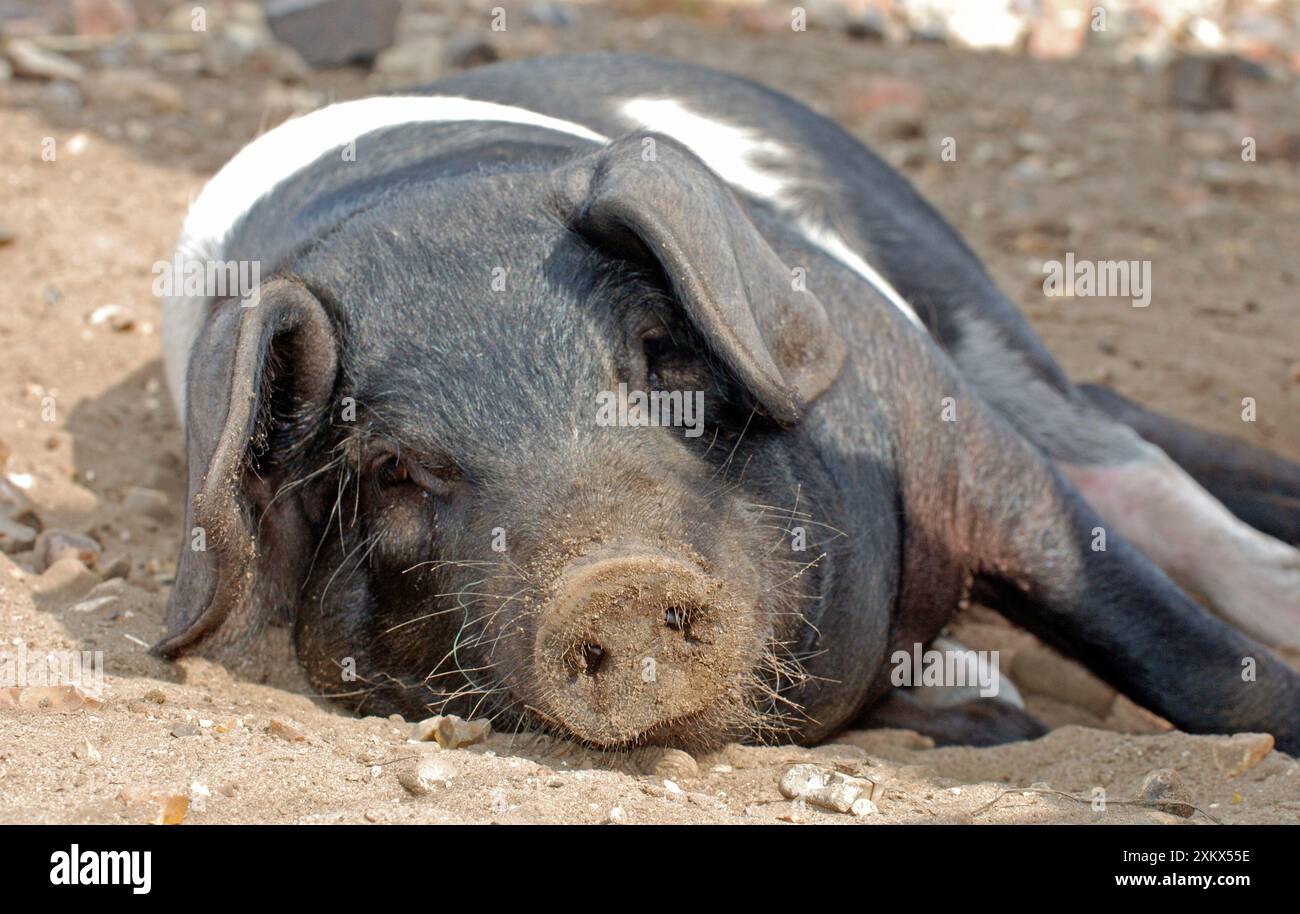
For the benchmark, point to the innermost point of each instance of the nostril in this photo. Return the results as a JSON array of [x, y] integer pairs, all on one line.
[[590, 658], [677, 618]]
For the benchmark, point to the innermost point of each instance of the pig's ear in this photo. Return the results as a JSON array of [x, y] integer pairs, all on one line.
[[647, 196], [260, 381]]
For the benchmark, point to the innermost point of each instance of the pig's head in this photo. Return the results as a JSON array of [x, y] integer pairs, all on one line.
[[415, 450]]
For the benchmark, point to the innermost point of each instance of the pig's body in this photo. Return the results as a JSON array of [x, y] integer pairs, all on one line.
[[920, 473]]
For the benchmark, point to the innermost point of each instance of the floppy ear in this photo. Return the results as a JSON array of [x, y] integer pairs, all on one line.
[[260, 380], [736, 291]]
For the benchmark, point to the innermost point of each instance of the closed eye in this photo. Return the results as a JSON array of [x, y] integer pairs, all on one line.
[[393, 470]]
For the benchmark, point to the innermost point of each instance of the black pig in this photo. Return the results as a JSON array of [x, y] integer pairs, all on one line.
[[411, 444]]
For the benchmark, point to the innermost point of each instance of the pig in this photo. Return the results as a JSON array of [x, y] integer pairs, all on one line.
[[636, 402]]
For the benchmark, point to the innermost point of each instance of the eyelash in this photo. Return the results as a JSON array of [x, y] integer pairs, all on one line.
[[389, 470]]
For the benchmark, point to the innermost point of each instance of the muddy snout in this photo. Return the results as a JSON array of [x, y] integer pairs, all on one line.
[[637, 642]]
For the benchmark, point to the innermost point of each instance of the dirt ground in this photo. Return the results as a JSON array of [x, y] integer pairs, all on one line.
[[1079, 156]]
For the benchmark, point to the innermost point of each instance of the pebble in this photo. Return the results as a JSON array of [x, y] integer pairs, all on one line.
[[182, 730], [87, 752], [151, 806], [116, 317], [450, 731], [412, 62], [67, 579], [1164, 788], [148, 502], [15, 537], [56, 545], [286, 731], [825, 788], [423, 776], [31, 61], [1241, 752]]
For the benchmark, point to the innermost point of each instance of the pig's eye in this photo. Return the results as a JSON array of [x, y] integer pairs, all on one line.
[[393, 471], [390, 470], [662, 354]]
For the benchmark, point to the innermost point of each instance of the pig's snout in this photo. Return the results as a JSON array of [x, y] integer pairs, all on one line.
[[635, 643]]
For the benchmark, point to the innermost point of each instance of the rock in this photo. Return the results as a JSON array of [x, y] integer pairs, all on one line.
[[55, 545], [67, 579], [182, 730], [553, 15], [1060, 31], [286, 731], [421, 777], [1164, 788], [151, 806], [825, 788], [667, 763], [334, 33], [131, 87], [147, 502], [19, 524], [1201, 83], [863, 807], [102, 18], [450, 731], [471, 50], [115, 568], [86, 752], [1241, 752], [15, 537], [31, 61], [48, 698], [900, 101], [412, 63], [115, 317], [155, 696]]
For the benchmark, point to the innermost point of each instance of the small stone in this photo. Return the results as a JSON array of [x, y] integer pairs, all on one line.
[[863, 807], [33, 62], [15, 537], [824, 788], [116, 568], [67, 579], [155, 696], [334, 33], [667, 763], [471, 50], [48, 698], [453, 733], [150, 806], [412, 62], [1165, 790], [616, 816], [426, 774], [116, 317], [56, 545], [182, 730], [1201, 83], [285, 731], [148, 502], [102, 18], [1241, 752], [87, 752]]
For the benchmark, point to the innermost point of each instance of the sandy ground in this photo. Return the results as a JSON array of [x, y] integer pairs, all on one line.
[[1051, 158]]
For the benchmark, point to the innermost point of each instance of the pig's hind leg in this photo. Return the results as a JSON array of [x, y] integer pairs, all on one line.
[[1249, 577], [1035, 555]]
